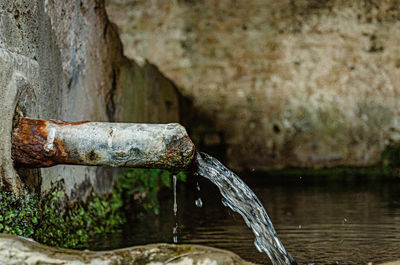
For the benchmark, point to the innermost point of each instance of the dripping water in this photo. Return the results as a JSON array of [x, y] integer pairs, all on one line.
[[197, 186], [198, 202], [175, 228], [174, 186], [241, 199]]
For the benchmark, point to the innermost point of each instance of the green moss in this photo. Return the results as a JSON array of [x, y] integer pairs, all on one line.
[[52, 222], [18, 215], [72, 226]]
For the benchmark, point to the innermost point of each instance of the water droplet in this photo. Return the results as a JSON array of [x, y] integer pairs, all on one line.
[[199, 203], [345, 220], [197, 186], [299, 226]]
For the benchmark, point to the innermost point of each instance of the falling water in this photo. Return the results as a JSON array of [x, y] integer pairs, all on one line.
[[198, 202], [175, 204], [241, 199], [175, 228]]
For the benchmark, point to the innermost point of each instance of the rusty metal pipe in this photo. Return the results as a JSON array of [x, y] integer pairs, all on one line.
[[45, 143]]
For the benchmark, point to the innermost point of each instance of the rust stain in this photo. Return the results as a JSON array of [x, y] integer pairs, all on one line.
[[174, 154], [28, 140]]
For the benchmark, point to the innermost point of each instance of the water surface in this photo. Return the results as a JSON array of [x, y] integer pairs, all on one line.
[[351, 220]]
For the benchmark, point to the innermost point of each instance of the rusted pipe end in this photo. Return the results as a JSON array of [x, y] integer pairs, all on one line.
[[180, 152], [44, 143], [29, 140]]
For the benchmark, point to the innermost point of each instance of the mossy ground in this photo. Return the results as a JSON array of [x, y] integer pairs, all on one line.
[[51, 221]]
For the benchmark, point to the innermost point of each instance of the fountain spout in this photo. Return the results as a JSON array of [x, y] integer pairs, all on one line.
[[45, 143]]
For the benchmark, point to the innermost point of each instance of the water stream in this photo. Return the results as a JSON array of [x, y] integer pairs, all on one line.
[[241, 199]]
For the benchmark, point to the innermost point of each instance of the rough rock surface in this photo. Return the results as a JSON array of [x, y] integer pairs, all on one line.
[[63, 60], [287, 83], [19, 251], [19, 79]]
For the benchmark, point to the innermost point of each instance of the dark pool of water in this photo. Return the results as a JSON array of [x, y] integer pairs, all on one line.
[[347, 221]]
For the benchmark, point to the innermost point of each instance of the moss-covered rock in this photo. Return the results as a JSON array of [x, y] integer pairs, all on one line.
[[52, 221], [71, 226], [18, 215]]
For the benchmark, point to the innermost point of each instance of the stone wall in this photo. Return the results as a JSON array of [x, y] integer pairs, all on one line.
[[282, 83], [63, 60]]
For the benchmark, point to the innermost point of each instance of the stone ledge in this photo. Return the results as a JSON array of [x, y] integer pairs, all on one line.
[[17, 251]]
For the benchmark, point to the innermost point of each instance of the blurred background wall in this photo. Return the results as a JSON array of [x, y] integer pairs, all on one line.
[[302, 83]]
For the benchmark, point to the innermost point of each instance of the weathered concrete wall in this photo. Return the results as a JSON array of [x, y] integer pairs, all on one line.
[[287, 83], [63, 60]]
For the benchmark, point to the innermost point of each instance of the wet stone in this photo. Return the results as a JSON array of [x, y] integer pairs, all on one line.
[[17, 251]]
